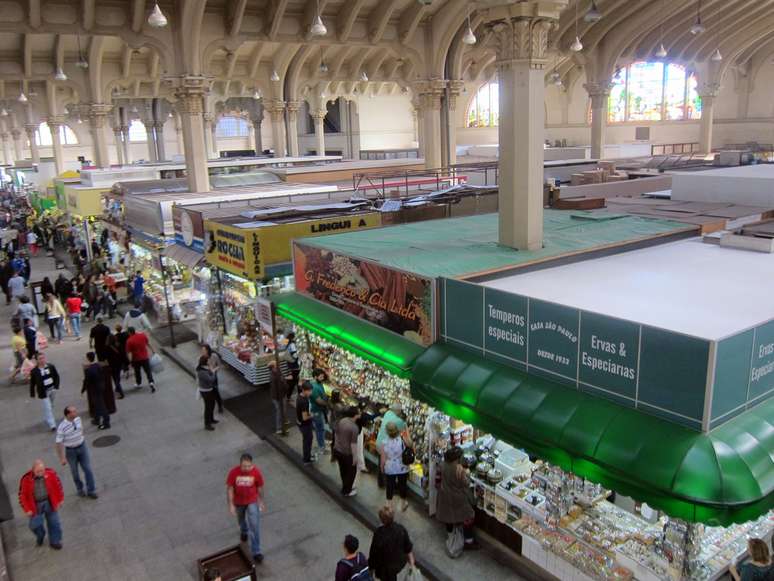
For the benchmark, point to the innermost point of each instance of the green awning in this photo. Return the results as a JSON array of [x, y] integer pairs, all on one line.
[[718, 478], [384, 348]]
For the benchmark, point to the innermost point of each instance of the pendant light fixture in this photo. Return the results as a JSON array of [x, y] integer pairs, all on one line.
[[323, 66], [274, 76], [157, 18], [82, 63], [593, 14], [364, 77], [716, 56], [318, 27], [469, 38], [697, 27], [577, 45], [3, 112], [661, 52], [22, 98], [257, 94], [60, 75]]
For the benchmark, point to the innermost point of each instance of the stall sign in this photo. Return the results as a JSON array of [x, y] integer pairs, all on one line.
[[264, 314], [189, 228], [632, 364], [280, 236], [398, 301], [234, 250]]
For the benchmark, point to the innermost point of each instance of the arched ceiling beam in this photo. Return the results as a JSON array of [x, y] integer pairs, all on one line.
[[443, 26], [346, 17], [96, 52], [126, 61], [27, 54], [235, 13], [294, 72], [566, 31], [59, 52], [338, 63], [189, 34], [138, 15], [89, 13], [33, 13], [276, 12], [380, 16], [675, 18], [255, 59], [356, 65], [375, 63], [719, 28], [409, 21]]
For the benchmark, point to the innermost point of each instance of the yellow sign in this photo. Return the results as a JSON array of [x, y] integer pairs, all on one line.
[[235, 250], [247, 252], [82, 201]]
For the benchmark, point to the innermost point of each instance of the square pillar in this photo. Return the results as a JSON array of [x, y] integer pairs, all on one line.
[[707, 93], [18, 147], [319, 130], [429, 97], [191, 107], [55, 125], [98, 113], [599, 93], [292, 109], [276, 111], [30, 129]]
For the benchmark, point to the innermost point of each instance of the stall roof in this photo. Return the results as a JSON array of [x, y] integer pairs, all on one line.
[[717, 478], [689, 287], [384, 348], [184, 255], [463, 247]]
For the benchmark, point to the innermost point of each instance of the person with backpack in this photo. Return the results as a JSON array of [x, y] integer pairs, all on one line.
[[354, 565]]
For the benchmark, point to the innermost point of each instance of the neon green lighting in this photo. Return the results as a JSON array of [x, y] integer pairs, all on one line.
[[359, 346]]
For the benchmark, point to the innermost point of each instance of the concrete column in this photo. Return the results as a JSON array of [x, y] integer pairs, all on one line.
[[161, 149], [118, 136], [292, 108], [208, 117], [7, 157], [179, 135], [520, 35], [55, 124], [319, 130], [125, 144], [98, 114], [455, 90], [191, 108], [430, 94], [18, 146], [257, 135], [214, 132], [707, 93], [30, 129], [599, 94], [276, 111], [150, 138]]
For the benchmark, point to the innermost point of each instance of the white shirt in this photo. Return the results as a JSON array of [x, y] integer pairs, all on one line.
[[16, 286], [32, 238], [70, 433]]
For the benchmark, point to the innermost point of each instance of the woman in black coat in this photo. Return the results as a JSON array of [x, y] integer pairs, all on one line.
[[391, 548]]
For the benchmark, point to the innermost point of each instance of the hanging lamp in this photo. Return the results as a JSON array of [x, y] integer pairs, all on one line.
[[82, 63], [577, 45], [469, 38], [661, 52], [318, 27], [60, 75], [274, 76], [697, 27], [323, 66], [716, 56], [157, 18], [257, 94], [364, 77]]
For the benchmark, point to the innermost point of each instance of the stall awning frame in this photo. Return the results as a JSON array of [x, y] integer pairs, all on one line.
[[716, 478], [184, 255], [382, 347]]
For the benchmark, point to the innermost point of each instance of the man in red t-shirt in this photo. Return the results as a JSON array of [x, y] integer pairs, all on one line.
[[137, 347], [73, 306], [244, 487]]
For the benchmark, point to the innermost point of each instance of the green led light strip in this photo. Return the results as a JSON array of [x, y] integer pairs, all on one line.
[[360, 347]]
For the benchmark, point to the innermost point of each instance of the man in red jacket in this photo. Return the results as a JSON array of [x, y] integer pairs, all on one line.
[[40, 496]]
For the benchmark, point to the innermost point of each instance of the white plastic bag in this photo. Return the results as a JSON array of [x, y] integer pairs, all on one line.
[[455, 542], [410, 573], [156, 363]]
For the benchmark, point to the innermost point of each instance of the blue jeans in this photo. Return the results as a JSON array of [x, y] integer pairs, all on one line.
[[51, 519], [48, 408], [76, 456], [249, 517], [75, 321], [279, 414], [318, 420]]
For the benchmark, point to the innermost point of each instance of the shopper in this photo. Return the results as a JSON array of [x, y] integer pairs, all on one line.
[[72, 449], [46, 288], [392, 466], [55, 315], [98, 338], [391, 547], [94, 387], [278, 388], [40, 496], [454, 507], [16, 287], [73, 306], [318, 406], [293, 364], [26, 310], [759, 568], [206, 378], [393, 415], [62, 287], [121, 337], [212, 575], [137, 318], [244, 487], [19, 347], [345, 450], [213, 361], [304, 419], [354, 565], [44, 383], [116, 358], [32, 242], [30, 337], [138, 288], [336, 409], [137, 348]]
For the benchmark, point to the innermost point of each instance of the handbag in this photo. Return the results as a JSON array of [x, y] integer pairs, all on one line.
[[455, 542], [408, 456]]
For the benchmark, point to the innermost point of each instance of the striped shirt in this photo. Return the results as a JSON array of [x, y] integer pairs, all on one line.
[[70, 433]]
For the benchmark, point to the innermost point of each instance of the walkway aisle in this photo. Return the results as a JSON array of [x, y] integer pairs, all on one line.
[[162, 494]]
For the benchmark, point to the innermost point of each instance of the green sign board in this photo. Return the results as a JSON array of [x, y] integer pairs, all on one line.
[[662, 372], [762, 362]]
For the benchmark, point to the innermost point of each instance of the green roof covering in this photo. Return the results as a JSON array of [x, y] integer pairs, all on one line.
[[384, 348], [717, 478], [462, 246]]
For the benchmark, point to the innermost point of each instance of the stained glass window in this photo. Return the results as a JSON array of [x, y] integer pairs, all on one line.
[[653, 91], [43, 136], [484, 110], [230, 126]]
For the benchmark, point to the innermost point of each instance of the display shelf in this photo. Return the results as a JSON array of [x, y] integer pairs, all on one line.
[[255, 375]]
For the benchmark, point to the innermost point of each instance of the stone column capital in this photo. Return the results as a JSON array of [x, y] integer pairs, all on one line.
[[190, 92], [30, 128], [209, 117], [293, 106], [55, 122], [522, 40], [429, 93], [16, 133], [599, 92], [276, 108], [99, 109], [318, 115], [4, 136]]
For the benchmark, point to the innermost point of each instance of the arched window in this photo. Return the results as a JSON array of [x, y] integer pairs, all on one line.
[[484, 110], [137, 131], [43, 136], [653, 91], [232, 126]]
